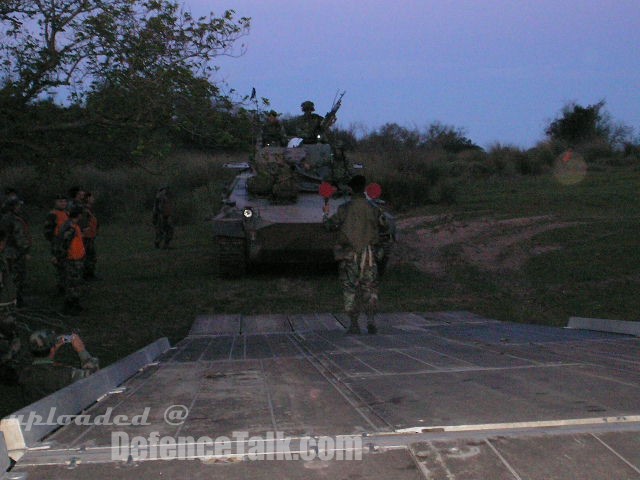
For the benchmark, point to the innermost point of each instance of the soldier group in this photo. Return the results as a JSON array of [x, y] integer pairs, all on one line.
[[360, 223], [71, 227], [310, 127]]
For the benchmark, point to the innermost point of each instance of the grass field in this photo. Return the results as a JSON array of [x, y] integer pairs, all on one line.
[[589, 266]]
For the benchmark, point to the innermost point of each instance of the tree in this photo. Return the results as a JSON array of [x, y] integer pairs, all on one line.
[[447, 138], [391, 137], [577, 124], [138, 68], [65, 42]]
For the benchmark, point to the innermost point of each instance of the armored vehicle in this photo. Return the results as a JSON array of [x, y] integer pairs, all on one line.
[[272, 210]]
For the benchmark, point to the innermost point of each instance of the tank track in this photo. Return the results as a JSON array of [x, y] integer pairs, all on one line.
[[232, 256]]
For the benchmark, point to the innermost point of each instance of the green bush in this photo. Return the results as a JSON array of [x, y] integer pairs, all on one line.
[[25, 179], [127, 193], [504, 159], [543, 155], [596, 151]]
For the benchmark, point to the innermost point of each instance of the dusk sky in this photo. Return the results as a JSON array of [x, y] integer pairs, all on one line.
[[499, 69]]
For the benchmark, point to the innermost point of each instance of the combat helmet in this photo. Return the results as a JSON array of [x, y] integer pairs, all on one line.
[[308, 105]]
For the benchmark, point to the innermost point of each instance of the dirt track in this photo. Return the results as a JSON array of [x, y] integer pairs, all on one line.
[[490, 244]]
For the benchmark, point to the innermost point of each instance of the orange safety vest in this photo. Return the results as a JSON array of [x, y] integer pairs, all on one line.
[[61, 217], [76, 248]]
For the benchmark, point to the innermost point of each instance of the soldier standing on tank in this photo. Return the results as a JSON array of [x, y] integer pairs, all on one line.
[[18, 245], [359, 223], [54, 221], [45, 376], [273, 133], [163, 217], [70, 253], [310, 126]]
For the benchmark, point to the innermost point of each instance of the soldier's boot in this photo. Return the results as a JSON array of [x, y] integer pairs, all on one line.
[[354, 328], [19, 300]]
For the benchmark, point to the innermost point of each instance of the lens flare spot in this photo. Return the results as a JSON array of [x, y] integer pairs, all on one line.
[[569, 168]]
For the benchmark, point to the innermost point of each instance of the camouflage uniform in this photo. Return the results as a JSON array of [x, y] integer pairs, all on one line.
[[73, 267], [273, 132], [9, 340], [52, 224], [274, 175], [45, 376], [310, 126], [89, 237], [18, 247], [162, 212], [359, 223]]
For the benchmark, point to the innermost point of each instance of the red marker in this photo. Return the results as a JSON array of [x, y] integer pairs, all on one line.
[[373, 191], [326, 191]]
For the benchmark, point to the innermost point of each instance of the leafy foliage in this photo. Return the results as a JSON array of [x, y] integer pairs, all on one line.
[[577, 124], [447, 138], [137, 74], [437, 136], [580, 125]]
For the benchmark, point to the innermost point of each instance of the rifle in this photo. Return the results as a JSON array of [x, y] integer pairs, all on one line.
[[330, 117]]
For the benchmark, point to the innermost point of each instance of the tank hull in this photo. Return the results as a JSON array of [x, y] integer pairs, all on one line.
[[261, 228]]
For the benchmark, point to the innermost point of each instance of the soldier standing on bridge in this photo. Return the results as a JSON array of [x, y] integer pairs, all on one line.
[[359, 223]]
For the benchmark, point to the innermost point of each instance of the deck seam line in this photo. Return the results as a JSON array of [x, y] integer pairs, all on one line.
[[347, 352], [462, 370], [398, 350], [503, 460], [193, 400], [233, 343], [423, 469], [606, 445], [335, 383], [269, 399]]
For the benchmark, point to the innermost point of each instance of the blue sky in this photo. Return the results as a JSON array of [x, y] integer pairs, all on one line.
[[499, 69]]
